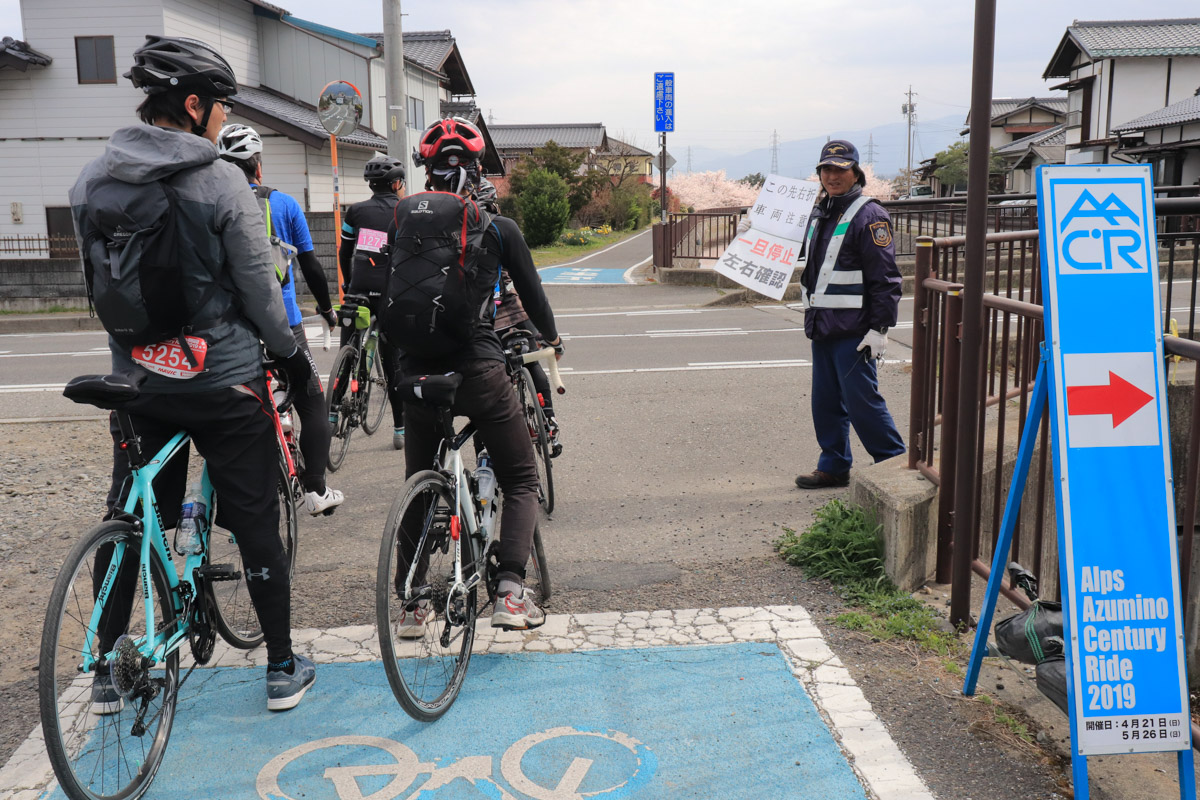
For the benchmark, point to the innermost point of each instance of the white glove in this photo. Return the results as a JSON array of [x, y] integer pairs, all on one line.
[[875, 343], [744, 225]]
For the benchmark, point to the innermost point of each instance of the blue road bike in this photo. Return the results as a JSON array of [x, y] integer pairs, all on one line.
[[122, 610]]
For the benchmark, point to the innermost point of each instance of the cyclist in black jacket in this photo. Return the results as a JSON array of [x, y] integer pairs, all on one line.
[[450, 150], [365, 267]]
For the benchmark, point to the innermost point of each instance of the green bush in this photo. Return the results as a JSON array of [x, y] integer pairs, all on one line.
[[544, 207], [577, 237], [844, 546], [510, 206]]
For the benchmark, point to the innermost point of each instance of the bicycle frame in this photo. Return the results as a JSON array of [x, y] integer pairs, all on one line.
[[157, 644]]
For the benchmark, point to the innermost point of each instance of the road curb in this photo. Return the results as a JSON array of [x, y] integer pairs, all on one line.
[[48, 323]]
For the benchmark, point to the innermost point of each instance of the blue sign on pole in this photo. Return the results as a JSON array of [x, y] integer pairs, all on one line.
[[664, 102], [1126, 674]]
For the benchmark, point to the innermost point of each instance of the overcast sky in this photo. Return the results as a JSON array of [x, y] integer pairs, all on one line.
[[804, 68]]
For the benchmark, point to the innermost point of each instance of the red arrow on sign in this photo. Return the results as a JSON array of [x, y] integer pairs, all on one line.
[[1119, 398]]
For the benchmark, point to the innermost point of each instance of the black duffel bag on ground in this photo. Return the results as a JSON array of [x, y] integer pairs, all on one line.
[[1052, 681], [1033, 635]]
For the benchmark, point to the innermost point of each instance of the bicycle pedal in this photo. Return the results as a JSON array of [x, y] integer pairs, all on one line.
[[329, 512], [218, 572]]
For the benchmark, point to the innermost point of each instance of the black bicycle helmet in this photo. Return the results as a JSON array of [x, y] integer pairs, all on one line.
[[169, 62], [383, 168]]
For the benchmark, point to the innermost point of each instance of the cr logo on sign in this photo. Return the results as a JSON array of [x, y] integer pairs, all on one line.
[[1101, 235]]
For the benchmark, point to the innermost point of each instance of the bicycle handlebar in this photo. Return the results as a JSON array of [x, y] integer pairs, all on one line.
[[546, 357], [281, 378], [324, 328]]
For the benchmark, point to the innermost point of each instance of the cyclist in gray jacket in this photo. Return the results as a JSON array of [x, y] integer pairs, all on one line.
[[221, 400]]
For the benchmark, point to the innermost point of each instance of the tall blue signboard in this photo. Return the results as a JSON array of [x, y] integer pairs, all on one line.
[[664, 102], [1112, 461], [1104, 383]]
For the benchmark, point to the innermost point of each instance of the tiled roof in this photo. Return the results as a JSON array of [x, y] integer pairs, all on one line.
[[1051, 137], [1003, 106], [618, 148], [1124, 39], [528, 137], [297, 121], [20, 56], [427, 49], [1187, 110]]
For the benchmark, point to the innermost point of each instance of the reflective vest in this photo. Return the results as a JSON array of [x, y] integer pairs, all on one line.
[[840, 277], [282, 253]]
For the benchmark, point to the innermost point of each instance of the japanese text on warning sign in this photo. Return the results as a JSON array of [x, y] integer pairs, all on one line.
[[764, 258]]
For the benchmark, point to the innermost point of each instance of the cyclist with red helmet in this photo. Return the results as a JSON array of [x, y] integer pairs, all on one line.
[[450, 151]]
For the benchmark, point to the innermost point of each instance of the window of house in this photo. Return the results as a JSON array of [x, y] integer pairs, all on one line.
[[94, 59], [61, 231], [416, 113]]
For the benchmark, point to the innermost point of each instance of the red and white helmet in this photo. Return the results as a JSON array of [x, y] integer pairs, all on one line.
[[449, 138]]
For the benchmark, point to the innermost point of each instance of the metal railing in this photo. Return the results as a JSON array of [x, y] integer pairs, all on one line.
[[695, 235], [39, 246], [1005, 368]]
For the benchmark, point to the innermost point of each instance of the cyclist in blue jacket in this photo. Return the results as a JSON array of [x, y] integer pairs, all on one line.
[[242, 146]]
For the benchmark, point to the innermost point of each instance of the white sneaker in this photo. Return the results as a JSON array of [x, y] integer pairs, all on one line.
[[323, 503], [411, 624]]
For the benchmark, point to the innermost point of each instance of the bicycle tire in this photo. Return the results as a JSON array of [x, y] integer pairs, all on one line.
[[341, 410], [424, 674], [540, 436], [376, 392], [236, 620], [538, 572], [96, 756]]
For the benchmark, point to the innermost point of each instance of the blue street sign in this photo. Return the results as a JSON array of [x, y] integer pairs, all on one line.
[[664, 102], [1112, 464]]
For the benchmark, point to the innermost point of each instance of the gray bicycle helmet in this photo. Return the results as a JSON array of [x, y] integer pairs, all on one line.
[[485, 195], [168, 62], [383, 168]]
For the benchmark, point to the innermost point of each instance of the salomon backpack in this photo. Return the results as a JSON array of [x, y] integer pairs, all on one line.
[[436, 296], [135, 278], [282, 253]]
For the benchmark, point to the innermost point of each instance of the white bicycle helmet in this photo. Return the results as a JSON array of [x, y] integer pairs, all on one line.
[[238, 142]]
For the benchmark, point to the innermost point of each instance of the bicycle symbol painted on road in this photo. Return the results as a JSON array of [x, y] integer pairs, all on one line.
[[597, 764]]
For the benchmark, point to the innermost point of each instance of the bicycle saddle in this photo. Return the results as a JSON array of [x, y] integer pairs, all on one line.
[[432, 390], [104, 391]]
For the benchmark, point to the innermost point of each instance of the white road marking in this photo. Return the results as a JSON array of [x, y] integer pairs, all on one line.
[[628, 276], [18, 388], [593, 255], [678, 334], [9, 354]]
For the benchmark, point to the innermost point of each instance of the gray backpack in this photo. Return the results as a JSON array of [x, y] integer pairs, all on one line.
[[135, 281]]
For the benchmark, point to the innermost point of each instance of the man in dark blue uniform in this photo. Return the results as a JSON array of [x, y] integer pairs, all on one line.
[[851, 295]]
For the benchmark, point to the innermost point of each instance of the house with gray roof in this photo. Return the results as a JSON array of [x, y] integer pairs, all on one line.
[[1168, 138], [1118, 71], [514, 141], [1024, 155], [1015, 118], [62, 95]]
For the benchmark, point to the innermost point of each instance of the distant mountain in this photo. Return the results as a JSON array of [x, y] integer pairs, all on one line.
[[796, 158]]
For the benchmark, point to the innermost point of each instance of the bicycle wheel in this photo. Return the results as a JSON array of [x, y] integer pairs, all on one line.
[[340, 402], [425, 633], [236, 619], [103, 744], [374, 395], [537, 574], [535, 418]]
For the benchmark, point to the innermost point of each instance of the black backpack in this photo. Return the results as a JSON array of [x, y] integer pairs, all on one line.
[[436, 296], [135, 280]]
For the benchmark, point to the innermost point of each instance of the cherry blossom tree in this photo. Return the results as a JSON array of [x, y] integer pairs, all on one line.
[[703, 190]]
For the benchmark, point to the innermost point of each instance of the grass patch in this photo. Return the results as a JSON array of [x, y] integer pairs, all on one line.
[[844, 545], [559, 252], [54, 309]]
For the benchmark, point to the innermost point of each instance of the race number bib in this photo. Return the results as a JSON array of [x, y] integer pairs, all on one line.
[[169, 360], [371, 240]]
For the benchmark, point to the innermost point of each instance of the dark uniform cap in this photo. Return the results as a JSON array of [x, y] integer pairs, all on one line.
[[839, 153]]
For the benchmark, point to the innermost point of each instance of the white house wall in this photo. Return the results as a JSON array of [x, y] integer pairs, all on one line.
[[58, 164], [1139, 87], [65, 107], [320, 177], [227, 25], [298, 63], [1185, 79]]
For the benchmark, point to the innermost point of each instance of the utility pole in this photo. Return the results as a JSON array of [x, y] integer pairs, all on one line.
[[871, 149], [393, 54], [774, 152], [909, 110]]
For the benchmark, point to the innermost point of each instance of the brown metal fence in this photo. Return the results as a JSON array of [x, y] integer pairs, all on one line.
[[1005, 368], [39, 246], [694, 236]]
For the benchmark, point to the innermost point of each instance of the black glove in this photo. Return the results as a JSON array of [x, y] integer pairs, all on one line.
[[330, 317], [559, 348], [300, 369]]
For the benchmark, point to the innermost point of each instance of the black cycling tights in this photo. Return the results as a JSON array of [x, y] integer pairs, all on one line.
[[233, 430]]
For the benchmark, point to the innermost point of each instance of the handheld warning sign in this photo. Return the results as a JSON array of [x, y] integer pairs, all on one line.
[[1106, 390]]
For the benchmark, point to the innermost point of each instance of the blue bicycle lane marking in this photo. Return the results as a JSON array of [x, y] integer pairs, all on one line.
[[726, 720], [569, 276]]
